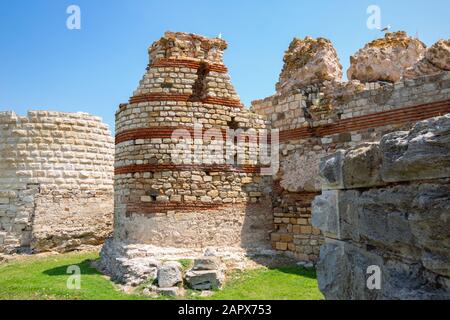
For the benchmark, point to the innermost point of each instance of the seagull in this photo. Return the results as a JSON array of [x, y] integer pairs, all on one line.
[[220, 36], [386, 29]]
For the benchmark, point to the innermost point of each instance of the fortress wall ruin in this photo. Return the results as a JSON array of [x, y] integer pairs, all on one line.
[[56, 181], [186, 209], [384, 211], [319, 117], [197, 202]]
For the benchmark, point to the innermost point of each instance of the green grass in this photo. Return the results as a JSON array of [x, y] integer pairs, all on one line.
[[288, 283], [46, 278], [186, 264]]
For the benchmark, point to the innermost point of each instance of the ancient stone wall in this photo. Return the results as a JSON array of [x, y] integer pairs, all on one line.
[[56, 181], [319, 114], [207, 198], [385, 207]]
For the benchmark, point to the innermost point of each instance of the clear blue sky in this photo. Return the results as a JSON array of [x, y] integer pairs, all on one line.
[[43, 65]]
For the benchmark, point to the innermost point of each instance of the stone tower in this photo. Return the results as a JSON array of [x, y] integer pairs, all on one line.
[[208, 197], [56, 181]]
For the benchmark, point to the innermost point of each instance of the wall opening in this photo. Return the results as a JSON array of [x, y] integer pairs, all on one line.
[[199, 87]]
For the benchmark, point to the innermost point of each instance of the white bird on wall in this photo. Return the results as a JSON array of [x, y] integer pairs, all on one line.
[[219, 36]]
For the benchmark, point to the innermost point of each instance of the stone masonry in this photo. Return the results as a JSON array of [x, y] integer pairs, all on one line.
[[184, 207], [56, 181], [387, 205], [209, 198], [317, 114]]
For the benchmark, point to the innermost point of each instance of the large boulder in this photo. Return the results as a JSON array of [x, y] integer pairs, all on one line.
[[309, 61], [386, 59], [169, 275], [204, 280]]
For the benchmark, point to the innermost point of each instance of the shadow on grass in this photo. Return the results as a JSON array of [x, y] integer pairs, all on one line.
[[85, 267], [299, 271]]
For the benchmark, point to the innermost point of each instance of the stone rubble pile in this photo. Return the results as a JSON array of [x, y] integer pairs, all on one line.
[[206, 275]]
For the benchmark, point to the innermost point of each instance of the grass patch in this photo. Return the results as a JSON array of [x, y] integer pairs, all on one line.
[[186, 264], [45, 278], [288, 283]]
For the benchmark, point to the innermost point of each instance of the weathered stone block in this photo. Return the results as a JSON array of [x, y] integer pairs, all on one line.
[[361, 166], [169, 274], [423, 153], [207, 263], [203, 280], [331, 171], [342, 272], [325, 213]]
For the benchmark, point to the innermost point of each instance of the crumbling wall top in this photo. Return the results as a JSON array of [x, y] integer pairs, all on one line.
[[181, 45], [309, 61], [386, 59]]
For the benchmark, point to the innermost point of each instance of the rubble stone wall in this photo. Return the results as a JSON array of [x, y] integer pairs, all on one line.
[[386, 204], [56, 181], [320, 117], [204, 201]]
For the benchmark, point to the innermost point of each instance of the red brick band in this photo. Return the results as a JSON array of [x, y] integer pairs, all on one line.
[[186, 63], [161, 207], [374, 120], [184, 98], [165, 132], [160, 97], [187, 167]]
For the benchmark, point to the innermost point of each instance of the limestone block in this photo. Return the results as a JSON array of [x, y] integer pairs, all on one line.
[[330, 170], [325, 213], [422, 153], [207, 263], [169, 274], [204, 280], [333, 270], [361, 166], [336, 215], [379, 224], [342, 274]]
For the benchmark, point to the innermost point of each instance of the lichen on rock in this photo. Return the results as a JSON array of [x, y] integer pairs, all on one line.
[[437, 59], [439, 54], [309, 61], [386, 59]]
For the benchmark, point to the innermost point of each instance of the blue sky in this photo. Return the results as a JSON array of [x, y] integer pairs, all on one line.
[[43, 65]]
